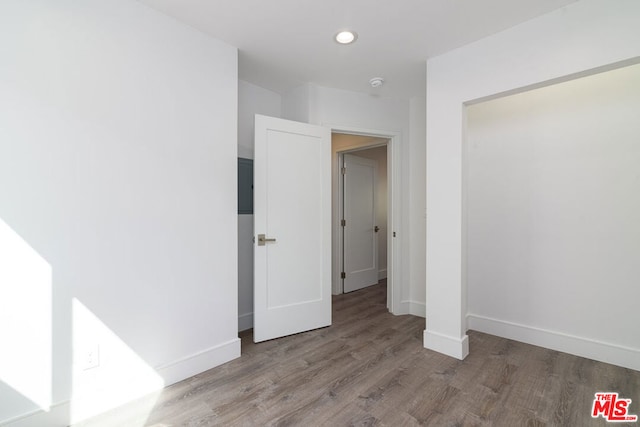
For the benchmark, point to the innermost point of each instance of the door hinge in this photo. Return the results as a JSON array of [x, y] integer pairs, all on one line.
[[344, 170], [343, 275], [343, 222]]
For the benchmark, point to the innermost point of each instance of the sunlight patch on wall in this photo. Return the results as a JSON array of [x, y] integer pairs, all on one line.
[[106, 372], [25, 318]]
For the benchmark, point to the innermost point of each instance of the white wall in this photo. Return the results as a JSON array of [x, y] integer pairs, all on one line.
[[553, 208], [298, 103], [418, 205], [118, 146], [583, 36], [339, 108], [252, 100], [245, 272]]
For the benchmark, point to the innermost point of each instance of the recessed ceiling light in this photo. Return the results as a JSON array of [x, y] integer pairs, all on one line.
[[346, 37]]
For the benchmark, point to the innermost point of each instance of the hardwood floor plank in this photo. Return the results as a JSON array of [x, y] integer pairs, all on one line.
[[370, 369]]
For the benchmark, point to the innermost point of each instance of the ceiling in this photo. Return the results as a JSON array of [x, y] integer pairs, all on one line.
[[285, 43]]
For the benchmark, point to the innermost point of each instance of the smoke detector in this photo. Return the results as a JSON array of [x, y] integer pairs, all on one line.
[[376, 82]]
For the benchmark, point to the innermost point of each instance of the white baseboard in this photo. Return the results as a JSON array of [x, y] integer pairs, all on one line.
[[245, 321], [58, 415], [404, 307], [411, 307], [579, 346], [382, 274], [199, 362], [418, 308], [445, 344]]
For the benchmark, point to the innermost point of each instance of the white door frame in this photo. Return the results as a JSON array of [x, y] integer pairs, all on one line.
[[393, 210]]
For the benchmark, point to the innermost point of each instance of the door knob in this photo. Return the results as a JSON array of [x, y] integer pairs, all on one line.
[[376, 228], [262, 240]]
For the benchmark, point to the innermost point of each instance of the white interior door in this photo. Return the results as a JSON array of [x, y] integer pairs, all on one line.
[[360, 179], [292, 210]]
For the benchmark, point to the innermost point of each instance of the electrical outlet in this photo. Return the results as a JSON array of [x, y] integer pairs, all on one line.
[[91, 357]]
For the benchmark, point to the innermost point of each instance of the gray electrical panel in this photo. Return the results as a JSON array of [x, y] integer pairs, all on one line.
[[245, 186]]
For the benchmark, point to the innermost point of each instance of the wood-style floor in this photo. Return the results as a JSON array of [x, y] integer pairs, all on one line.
[[370, 368]]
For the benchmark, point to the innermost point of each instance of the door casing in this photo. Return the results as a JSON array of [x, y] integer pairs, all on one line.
[[394, 219]]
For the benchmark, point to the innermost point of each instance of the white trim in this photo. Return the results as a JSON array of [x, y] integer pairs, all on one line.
[[58, 415], [199, 362], [417, 309], [579, 346], [403, 308], [394, 217], [382, 274], [245, 321], [451, 346]]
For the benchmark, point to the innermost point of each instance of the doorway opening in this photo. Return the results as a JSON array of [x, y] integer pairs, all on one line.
[[293, 137], [362, 213]]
